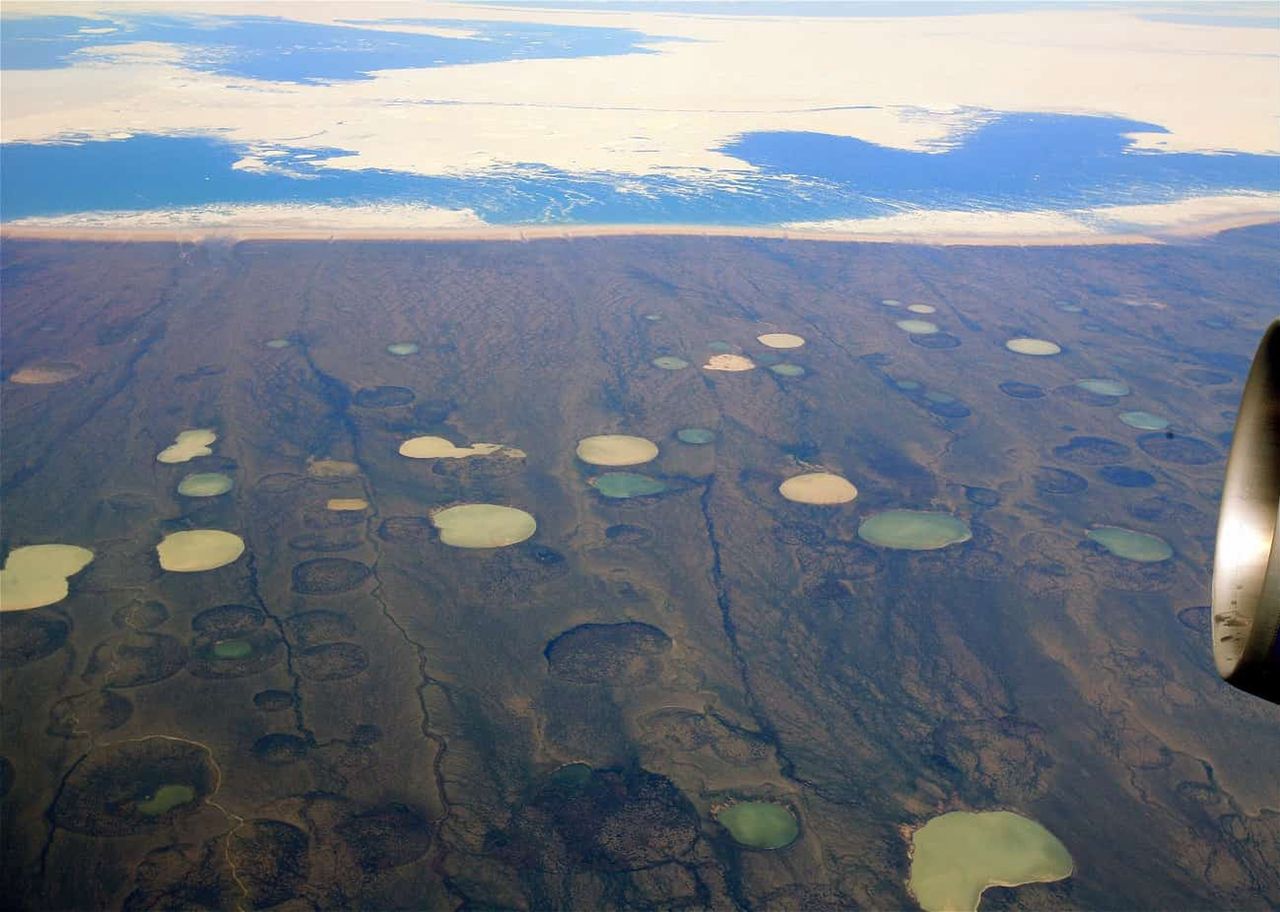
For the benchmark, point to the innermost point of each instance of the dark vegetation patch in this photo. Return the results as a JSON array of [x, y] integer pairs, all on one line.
[[323, 518], [1019, 390], [1204, 377], [331, 661], [26, 636], [101, 796], [982, 497], [626, 653], [137, 659], [89, 714], [617, 819], [311, 628], [273, 700], [387, 836], [383, 396], [541, 554], [7, 776], [280, 749], [1126, 476], [1086, 397], [799, 533], [407, 529], [433, 411], [280, 483], [1197, 618], [1161, 509], [626, 534], [327, 575], [1126, 575], [938, 340], [952, 409], [1088, 450], [1049, 480], [316, 541], [228, 619], [271, 860], [1182, 450], [365, 735], [142, 615]]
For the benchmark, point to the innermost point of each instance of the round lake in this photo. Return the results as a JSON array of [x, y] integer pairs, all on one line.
[[205, 484], [232, 649], [1039, 347], [781, 340], [483, 525], [1104, 387], [922, 308], [403, 348], [729, 363], [1144, 421], [670, 362], [787, 370], [760, 824], [914, 530], [166, 798], [918, 327], [616, 450], [695, 436], [819, 488], [198, 549], [621, 485]]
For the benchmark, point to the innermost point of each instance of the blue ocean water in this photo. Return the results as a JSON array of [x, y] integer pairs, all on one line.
[[1016, 161], [1013, 162], [282, 50]]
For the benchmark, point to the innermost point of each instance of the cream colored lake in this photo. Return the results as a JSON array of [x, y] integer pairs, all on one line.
[[205, 484], [616, 450], [45, 374], [1104, 387], [441, 448], [729, 363], [36, 575], [956, 856], [187, 446], [346, 504], [820, 488], [918, 327], [922, 308], [1039, 347], [781, 340], [483, 525], [197, 550]]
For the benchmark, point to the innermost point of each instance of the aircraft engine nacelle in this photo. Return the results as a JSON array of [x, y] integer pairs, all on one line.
[[1246, 572]]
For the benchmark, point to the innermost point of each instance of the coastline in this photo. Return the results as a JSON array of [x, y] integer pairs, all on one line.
[[1164, 234]]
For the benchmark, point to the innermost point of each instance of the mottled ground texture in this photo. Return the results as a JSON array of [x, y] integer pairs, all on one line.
[[355, 714]]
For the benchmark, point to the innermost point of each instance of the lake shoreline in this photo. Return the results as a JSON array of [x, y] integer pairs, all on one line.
[[1190, 230]]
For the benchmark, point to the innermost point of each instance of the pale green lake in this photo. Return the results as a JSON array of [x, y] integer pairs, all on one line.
[[914, 530], [955, 858]]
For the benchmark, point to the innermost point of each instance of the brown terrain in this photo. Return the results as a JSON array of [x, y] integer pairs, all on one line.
[[553, 724]]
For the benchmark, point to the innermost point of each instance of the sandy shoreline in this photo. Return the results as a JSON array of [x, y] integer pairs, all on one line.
[[194, 234]]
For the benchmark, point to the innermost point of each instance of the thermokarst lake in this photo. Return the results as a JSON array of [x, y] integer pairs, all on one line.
[[644, 572]]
